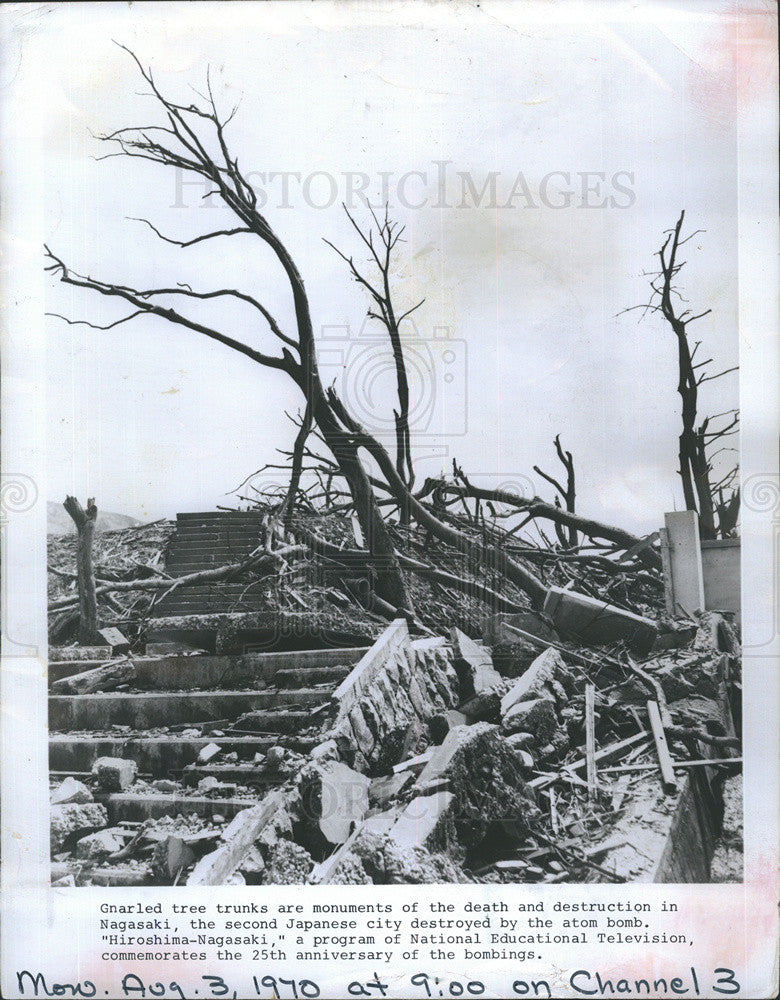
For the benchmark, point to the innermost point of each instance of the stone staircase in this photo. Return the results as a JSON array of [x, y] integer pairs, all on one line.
[[162, 712], [206, 541]]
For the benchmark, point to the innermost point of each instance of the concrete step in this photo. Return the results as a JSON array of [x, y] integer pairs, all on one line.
[[299, 676], [274, 722], [160, 756], [203, 672], [68, 653], [250, 775], [136, 806], [154, 709]]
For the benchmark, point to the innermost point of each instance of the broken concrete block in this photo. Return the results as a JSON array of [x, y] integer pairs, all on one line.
[[288, 864], [423, 821], [114, 638], [325, 751], [363, 735], [253, 862], [165, 785], [98, 846], [536, 716], [494, 633], [274, 757], [208, 784], [209, 752], [61, 883], [71, 790], [379, 859], [279, 827], [383, 791], [559, 692], [114, 774], [442, 756], [72, 817], [442, 723], [512, 659], [590, 620], [473, 665], [171, 856], [334, 798], [483, 707], [532, 683], [520, 741]]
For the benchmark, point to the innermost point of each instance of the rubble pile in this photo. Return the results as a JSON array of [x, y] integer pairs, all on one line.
[[530, 757]]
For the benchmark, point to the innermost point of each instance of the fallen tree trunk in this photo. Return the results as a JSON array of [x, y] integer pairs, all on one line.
[[103, 678], [539, 508], [490, 556], [218, 573], [471, 587]]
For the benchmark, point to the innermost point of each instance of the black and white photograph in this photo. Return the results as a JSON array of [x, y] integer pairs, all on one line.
[[446, 586], [394, 474]]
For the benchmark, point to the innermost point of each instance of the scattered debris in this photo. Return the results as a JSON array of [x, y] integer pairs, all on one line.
[[559, 748]]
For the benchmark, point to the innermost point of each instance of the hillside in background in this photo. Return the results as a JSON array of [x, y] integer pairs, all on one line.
[[58, 521]]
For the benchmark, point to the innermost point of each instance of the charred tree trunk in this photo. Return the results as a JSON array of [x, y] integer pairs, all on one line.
[[85, 572], [390, 583]]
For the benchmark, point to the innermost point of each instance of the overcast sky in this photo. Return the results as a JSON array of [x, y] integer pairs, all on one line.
[[426, 105]]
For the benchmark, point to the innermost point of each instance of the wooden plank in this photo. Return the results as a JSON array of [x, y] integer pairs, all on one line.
[[604, 756], [555, 822], [619, 793], [677, 764], [217, 867], [604, 665], [590, 740], [661, 747]]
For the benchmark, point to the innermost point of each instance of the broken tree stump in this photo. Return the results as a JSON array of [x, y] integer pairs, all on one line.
[[85, 571]]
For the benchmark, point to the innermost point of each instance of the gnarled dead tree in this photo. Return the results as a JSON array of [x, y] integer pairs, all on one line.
[[701, 494], [568, 493], [388, 235], [183, 143]]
